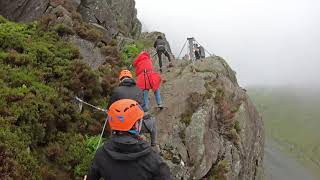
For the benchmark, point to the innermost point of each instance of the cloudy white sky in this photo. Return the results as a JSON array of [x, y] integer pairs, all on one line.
[[267, 42]]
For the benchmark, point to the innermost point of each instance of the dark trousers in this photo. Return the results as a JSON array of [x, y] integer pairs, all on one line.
[[149, 126], [165, 52]]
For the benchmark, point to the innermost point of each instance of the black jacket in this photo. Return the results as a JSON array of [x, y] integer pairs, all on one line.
[[126, 157], [160, 44], [127, 90]]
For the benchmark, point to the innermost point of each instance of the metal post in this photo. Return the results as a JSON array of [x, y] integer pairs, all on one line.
[[191, 48]]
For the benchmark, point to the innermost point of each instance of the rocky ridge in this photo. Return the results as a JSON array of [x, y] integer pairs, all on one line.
[[210, 128]]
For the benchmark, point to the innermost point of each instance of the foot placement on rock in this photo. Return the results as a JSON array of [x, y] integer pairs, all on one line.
[[160, 106]]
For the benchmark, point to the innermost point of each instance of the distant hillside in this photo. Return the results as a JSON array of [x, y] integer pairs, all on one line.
[[291, 118]]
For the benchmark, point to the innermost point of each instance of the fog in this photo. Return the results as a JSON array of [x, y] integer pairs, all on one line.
[[267, 42]]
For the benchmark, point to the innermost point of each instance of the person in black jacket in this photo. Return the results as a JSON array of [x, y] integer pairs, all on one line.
[[160, 46], [128, 90], [126, 155], [197, 51]]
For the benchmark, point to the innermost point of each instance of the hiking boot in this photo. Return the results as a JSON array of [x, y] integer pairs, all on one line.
[[161, 70], [171, 65], [160, 106]]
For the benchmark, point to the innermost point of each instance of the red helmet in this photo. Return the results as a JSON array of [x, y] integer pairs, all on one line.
[[123, 114], [125, 73]]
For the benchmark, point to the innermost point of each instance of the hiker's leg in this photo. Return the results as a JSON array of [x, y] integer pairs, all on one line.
[[158, 97], [149, 126], [153, 133], [160, 59], [146, 100], [168, 55]]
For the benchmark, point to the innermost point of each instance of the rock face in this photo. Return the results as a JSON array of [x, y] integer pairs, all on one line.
[[95, 22], [91, 24], [23, 10], [211, 129], [116, 16], [89, 52], [152, 36]]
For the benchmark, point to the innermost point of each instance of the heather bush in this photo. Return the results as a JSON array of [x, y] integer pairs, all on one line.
[[40, 124]]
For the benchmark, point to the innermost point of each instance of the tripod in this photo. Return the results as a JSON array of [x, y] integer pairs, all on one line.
[[192, 47]]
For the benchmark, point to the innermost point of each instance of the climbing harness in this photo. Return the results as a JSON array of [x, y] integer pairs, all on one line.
[[100, 109], [146, 76]]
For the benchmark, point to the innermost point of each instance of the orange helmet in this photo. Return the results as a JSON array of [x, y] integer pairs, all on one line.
[[125, 73], [123, 114]]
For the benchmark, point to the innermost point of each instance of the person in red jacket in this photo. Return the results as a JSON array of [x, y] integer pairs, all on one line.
[[147, 79]]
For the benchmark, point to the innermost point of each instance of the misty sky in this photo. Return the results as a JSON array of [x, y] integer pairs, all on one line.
[[267, 42]]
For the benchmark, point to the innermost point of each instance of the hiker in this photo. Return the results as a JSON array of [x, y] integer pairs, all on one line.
[[202, 52], [128, 90], [197, 51], [126, 155], [147, 79], [160, 46]]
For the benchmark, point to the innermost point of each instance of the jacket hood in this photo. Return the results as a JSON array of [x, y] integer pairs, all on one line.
[[141, 57], [126, 147], [127, 82]]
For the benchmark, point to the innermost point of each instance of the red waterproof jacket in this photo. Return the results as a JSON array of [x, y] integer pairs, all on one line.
[[146, 77]]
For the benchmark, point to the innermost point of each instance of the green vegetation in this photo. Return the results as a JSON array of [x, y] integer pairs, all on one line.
[[42, 135], [228, 105], [237, 126], [145, 42], [132, 50], [291, 118], [62, 30], [219, 170], [90, 148], [129, 52]]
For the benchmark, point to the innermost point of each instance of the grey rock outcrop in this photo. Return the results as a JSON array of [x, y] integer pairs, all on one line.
[[117, 16], [23, 10], [98, 12], [89, 51], [126, 17], [211, 129]]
